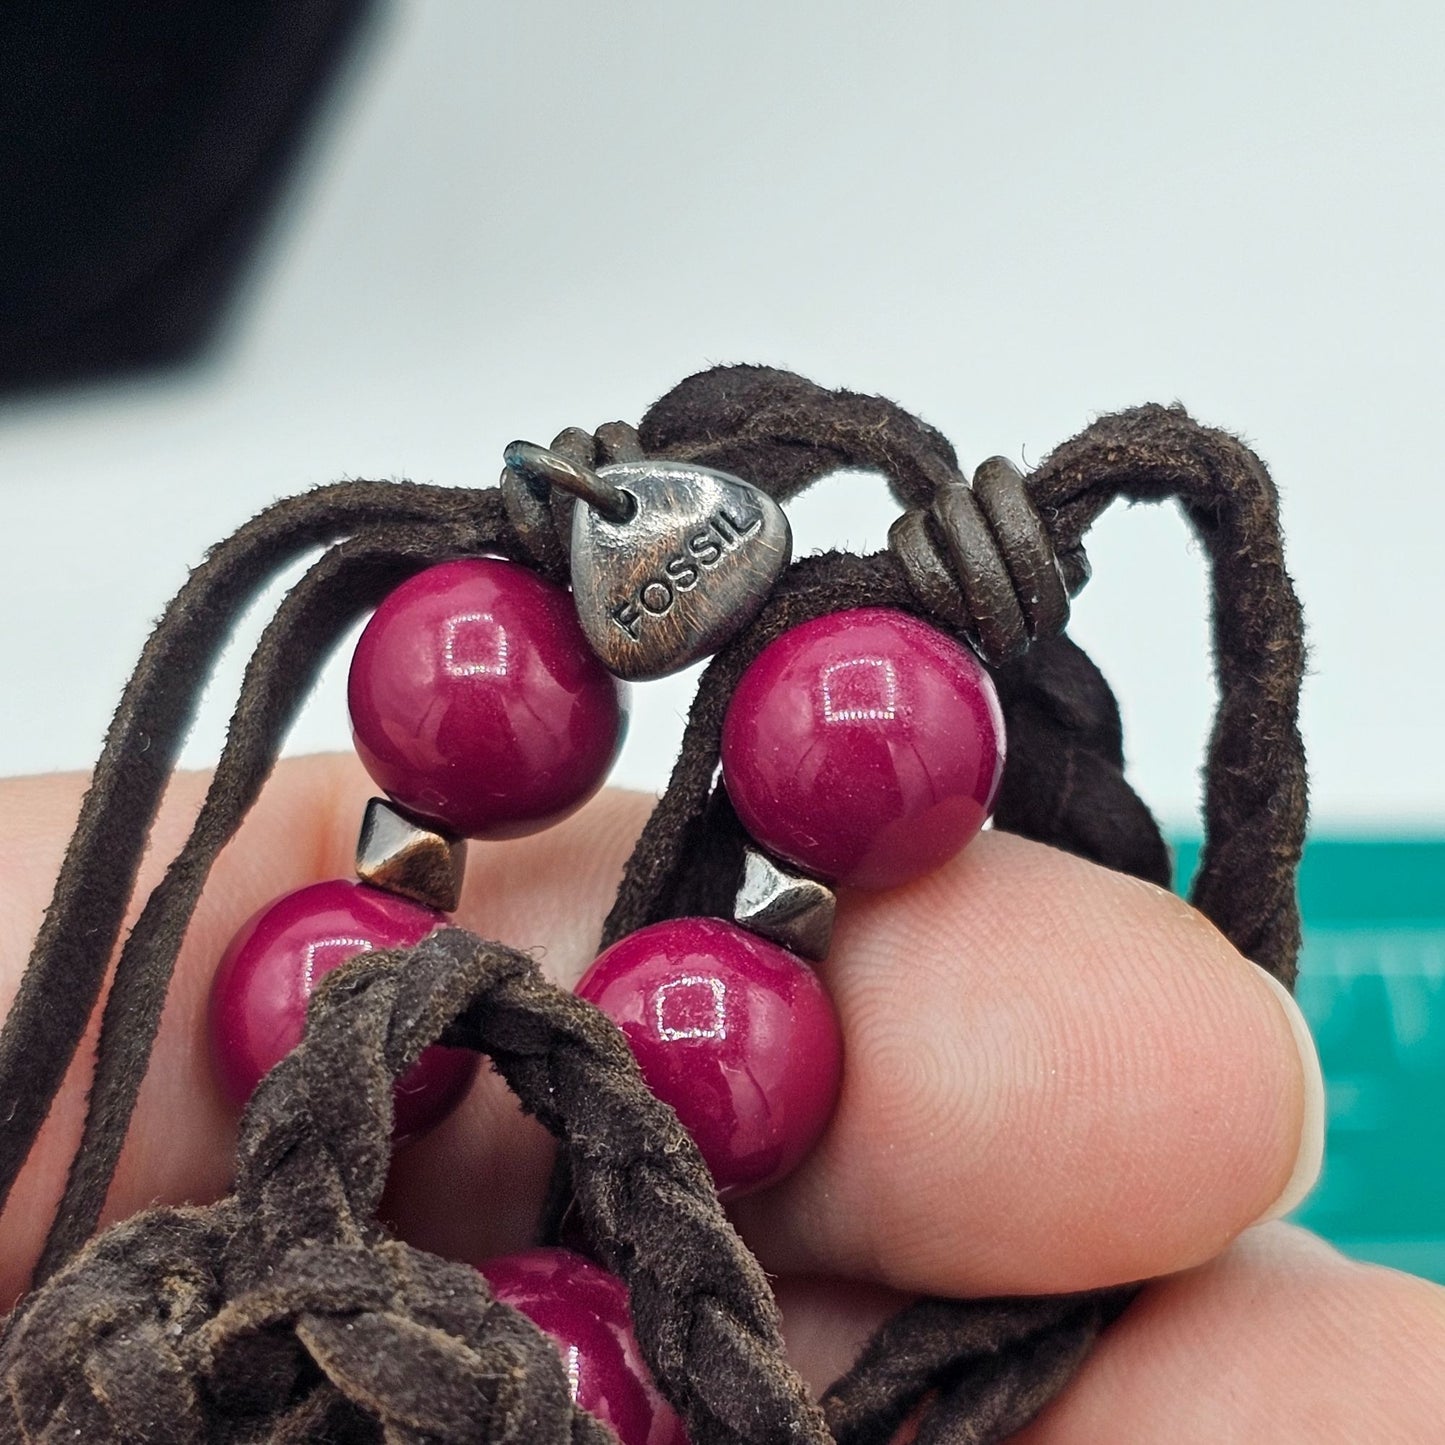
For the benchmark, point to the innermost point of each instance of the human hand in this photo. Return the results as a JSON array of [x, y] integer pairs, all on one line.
[[1056, 1078]]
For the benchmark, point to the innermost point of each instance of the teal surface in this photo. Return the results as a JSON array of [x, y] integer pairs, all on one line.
[[1372, 984]]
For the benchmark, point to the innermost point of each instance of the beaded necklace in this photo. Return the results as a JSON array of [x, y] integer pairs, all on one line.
[[849, 729]]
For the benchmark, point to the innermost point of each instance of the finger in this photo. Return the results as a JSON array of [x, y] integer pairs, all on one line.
[[827, 1322], [1055, 1078], [1281, 1339], [475, 1185], [180, 1144], [548, 892], [1061, 1064]]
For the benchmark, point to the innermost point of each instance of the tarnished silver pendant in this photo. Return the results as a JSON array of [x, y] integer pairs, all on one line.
[[688, 568], [669, 560]]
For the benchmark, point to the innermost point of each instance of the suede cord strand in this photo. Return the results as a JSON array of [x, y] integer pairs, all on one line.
[[67, 966], [342, 584], [376, 1341]]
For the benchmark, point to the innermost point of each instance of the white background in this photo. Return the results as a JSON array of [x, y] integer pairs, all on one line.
[[1008, 217]]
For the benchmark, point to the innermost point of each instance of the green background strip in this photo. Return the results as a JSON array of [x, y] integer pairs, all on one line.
[[1372, 984]]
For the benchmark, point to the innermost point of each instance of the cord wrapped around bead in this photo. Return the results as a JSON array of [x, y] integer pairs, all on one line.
[[980, 559]]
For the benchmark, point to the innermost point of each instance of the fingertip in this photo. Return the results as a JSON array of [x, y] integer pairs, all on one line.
[[1056, 1078], [1311, 1153], [1282, 1338]]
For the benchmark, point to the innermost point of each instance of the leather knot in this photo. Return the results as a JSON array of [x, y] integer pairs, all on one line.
[[284, 1313], [100, 1354], [413, 1343], [135, 1341], [981, 560]]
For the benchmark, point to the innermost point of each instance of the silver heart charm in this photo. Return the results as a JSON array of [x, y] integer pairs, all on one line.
[[675, 571]]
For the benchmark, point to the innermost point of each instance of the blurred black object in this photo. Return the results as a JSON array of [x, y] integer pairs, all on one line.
[[141, 145]]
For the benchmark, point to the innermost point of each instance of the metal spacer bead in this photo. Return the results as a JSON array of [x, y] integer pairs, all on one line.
[[402, 855], [998, 620], [529, 510], [1024, 545], [789, 908], [617, 441], [981, 560], [541, 512], [911, 540]]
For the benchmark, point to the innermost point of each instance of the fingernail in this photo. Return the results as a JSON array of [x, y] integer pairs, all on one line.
[[1312, 1134]]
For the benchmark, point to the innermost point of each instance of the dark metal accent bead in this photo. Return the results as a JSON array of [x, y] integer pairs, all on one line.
[[925, 569], [617, 441], [1075, 569], [788, 908], [410, 858], [1025, 546], [998, 621], [577, 445]]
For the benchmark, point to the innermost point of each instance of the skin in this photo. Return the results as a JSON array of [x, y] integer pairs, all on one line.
[[1056, 1078]]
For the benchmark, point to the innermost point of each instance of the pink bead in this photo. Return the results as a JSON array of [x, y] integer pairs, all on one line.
[[737, 1034], [476, 702], [269, 971], [864, 746], [584, 1309]]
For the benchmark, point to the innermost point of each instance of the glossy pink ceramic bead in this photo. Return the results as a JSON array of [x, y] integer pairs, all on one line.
[[584, 1308], [476, 702], [269, 971], [737, 1034], [864, 746]]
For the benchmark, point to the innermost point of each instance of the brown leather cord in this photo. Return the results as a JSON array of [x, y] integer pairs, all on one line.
[[60, 987], [1255, 796], [753, 421], [342, 584], [783, 432], [220, 1325], [995, 1365], [1063, 785], [1001, 1360]]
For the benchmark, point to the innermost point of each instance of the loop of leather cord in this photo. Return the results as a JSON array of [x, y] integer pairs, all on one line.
[[222, 1323], [986, 1366], [783, 432]]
